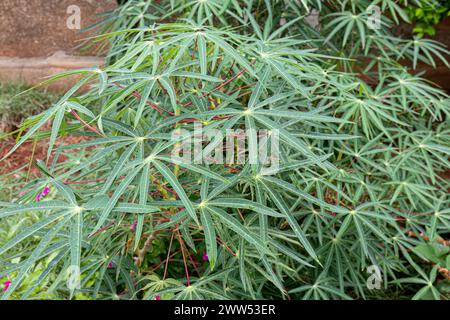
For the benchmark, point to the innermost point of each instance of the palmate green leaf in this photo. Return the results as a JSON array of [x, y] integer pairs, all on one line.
[[311, 116], [237, 227], [273, 99], [35, 255], [427, 47], [76, 237], [426, 293], [187, 236], [210, 237], [115, 198], [119, 126], [135, 208], [229, 50], [195, 168], [43, 119], [252, 140], [258, 90], [128, 282], [97, 202], [315, 288], [165, 171], [193, 75], [148, 48], [201, 43], [145, 95], [362, 237], [121, 95], [103, 81], [139, 229], [27, 232], [273, 277], [290, 253], [206, 115], [144, 185], [289, 187], [245, 204], [116, 171], [39, 206], [66, 191], [287, 76], [78, 107], [134, 51], [293, 141], [47, 115], [181, 49], [176, 219], [279, 202], [263, 219], [167, 84], [255, 25], [100, 141], [51, 266], [59, 117]]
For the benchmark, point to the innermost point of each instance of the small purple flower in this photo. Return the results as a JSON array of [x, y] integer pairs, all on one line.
[[205, 257], [133, 227], [46, 191], [6, 285], [42, 194], [110, 265], [158, 298]]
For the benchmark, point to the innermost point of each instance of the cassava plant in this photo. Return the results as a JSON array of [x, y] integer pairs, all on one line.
[[363, 142]]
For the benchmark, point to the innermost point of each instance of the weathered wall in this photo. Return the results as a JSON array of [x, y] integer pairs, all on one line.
[[35, 40], [33, 28]]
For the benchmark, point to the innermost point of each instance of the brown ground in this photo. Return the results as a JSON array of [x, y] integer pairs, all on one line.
[[23, 156]]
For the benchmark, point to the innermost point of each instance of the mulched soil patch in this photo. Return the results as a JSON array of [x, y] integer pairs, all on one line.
[[24, 154]]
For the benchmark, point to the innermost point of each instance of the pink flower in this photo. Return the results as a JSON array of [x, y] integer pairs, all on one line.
[[46, 191], [6, 285], [110, 265], [158, 298], [42, 194], [133, 227], [205, 257]]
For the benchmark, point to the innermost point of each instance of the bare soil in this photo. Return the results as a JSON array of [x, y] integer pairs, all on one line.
[[27, 152]]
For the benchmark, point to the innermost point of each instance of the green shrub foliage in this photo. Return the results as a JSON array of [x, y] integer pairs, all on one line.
[[15, 107], [426, 14], [363, 143]]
